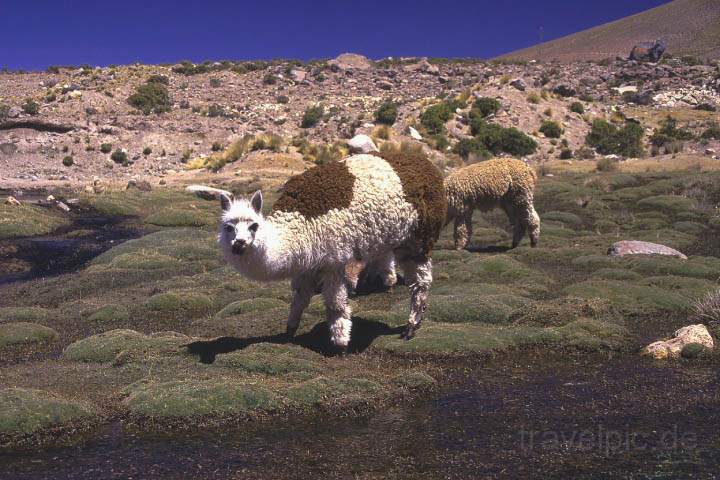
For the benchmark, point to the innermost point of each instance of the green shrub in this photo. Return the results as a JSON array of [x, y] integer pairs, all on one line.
[[68, 161], [577, 107], [30, 107], [551, 129], [497, 139], [471, 146], [485, 106], [119, 156], [282, 99], [312, 116], [435, 116], [606, 165], [150, 98], [386, 114], [669, 133], [215, 82], [608, 139], [566, 154], [4, 111], [147, 151], [161, 79], [712, 132], [106, 147], [269, 79]]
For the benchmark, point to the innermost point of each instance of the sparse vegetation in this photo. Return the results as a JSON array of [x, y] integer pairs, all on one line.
[[577, 107], [434, 117], [484, 107], [120, 156], [106, 147], [147, 151], [386, 114], [608, 139], [312, 116], [269, 79], [30, 107], [68, 161], [551, 129], [150, 98]]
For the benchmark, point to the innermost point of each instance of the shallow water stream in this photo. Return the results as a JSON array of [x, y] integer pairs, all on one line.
[[529, 415]]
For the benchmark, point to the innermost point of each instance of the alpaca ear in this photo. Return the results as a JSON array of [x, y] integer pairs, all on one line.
[[256, 201], [226, 200]]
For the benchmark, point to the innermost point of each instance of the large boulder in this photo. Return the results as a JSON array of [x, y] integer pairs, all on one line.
[[648, 51], [362, 144], [673, 348], [351, 61], [638, 247]]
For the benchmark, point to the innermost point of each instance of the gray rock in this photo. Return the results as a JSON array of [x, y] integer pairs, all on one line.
[[519, 84], [638, 247], [362, 144], [648, 51]]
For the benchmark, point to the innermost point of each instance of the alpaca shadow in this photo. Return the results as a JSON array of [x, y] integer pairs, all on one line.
[[368, 285], [488, 249], [364, 333]]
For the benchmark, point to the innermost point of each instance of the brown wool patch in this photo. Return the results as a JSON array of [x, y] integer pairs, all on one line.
[[422, 185], [317, 191]]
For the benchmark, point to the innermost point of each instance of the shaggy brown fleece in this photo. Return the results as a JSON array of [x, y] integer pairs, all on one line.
[[317, 191], [422, 185]]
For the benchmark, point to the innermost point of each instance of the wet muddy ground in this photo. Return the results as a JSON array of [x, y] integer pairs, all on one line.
[[530, 415]]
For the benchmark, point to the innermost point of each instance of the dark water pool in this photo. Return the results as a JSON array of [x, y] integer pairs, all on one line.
[[531, 416]]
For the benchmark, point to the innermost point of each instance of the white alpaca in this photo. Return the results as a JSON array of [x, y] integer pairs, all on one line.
[[363, 208]]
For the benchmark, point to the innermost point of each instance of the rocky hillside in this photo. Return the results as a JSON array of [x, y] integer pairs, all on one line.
[[691, 27], [68, 125]]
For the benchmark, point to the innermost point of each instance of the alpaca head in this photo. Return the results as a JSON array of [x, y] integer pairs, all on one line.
[[241, 221]]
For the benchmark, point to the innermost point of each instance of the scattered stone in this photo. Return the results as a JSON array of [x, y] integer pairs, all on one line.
[[142, 185], [362, 144], [564, 91], [298, 74], [648, 51], [638, 247], [10, 200], [519, 84], [672, 348], [351, 61], [626, 89], [414, 133]]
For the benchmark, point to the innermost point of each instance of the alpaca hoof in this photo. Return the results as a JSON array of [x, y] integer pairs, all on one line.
[[409, 332]]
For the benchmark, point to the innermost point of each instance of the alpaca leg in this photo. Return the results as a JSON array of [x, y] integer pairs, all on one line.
[[518, 233], [533, 226], [463, 229], [418, 277], [303, 288], [386, 268], [337, 310]]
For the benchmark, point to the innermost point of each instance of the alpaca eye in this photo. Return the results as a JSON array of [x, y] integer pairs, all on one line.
[[254, 227], [229, 228]]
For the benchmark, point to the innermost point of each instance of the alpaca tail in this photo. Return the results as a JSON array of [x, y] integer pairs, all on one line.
[[207, 193]]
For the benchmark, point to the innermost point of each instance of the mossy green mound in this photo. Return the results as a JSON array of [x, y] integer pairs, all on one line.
[[492, 309], [27, 221], [144, 261], [271, 359], [110, 314], [105, 347], [462, 339], [26, 411], [24, 314], [251, 305], [196, 398], [563, 217], [328, 390], [176, 217], [414, 380], [670, 203], [22, 333], [179, 302]]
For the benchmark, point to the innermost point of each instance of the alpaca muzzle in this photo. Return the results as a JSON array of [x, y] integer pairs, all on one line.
[[239, 247]]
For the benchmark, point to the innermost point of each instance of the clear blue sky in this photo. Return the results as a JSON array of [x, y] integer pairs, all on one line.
[[38, 33]]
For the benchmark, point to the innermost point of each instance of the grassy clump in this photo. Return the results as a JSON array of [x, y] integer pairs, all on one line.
[[497, 139], [323, 390], [21, 333], [24, 314], [120, 156], [608, 139], [197, 398], [110, 314], [271, 359], [312, 116], [577, 107], [26, 411], [551, 129], [490, 309], [27, 221], [251, 305], [151, 97], [668, 133], [105, 347], [386, 114]]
